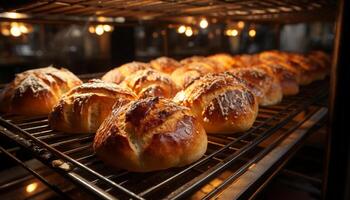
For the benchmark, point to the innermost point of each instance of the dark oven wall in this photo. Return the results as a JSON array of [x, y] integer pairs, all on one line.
[[89, 48]]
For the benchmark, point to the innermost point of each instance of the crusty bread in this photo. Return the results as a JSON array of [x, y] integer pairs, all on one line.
[[151, 83], [84, 107], [225, 59], [36, 91], [212, 64], [186, 74], [150, 134], [287, 77], [321, 61], [264, 85], [165, 64], [222, 102], [118, 74]]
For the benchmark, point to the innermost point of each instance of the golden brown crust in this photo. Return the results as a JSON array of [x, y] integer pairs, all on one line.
[[212, 64], [265, 86], [165, 64], [225, 59], [151, 83], [40, 88], [186, 74], [84, 107], [288, 78], [150, 134], [221, 102], [118, 74]]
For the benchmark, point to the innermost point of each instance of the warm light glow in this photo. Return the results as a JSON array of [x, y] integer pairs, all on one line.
[[234, 32], [188, 32], [5, 31], [107, 28], [240, 24], [92, 29], [31, 187], [252, 33], [99, 30], [228, 32], [203, 23], [23, 29], [15, 31], [154, 34], [181, 29]]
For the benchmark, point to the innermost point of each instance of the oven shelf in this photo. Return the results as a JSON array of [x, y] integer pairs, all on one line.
[[228, 157], [169, 10]]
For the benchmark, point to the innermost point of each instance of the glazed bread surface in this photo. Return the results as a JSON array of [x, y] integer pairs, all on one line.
[[222, 102], [151, 83], [165, 64], [265, 86], [84, 107], [118, 74], [150, 134], [35, 92]]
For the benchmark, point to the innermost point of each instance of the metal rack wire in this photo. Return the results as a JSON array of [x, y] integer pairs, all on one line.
[[227, 157], [156, 10]]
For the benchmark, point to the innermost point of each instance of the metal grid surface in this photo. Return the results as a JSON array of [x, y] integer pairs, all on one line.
[[72, 155], [167, 9]]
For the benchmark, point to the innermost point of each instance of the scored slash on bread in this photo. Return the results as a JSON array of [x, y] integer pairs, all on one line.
[[40, 88], [84, 107], [150, 134]]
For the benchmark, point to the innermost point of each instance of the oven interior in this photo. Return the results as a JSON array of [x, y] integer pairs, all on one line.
[[286, 145]]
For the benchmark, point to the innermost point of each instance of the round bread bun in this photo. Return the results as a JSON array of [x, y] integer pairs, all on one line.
[[165, 64], [83, 108], [213, 64], [225, 59], [222, 102], [265, 86], [186, 74], [151, 83], [150, 134], [34, 92], [118, 74], [287, 77]]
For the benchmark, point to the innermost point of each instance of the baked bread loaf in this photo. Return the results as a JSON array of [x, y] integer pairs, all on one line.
[[287, 77], [35, 92], [322, 61], [150, 134], [165, 64], [186, 74], [264, 86], [226, 60], [222, 102], [213, 64], [84, 107], [151, 83], [118, 74]]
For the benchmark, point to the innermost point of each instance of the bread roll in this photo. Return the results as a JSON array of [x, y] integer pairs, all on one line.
[[245, 60], [150, 134], [222, 102], [151, 83], [322, 61], [287, 77], [84, 107], [226, 60], [213, 64], [186, 74], [118, 74], [265, 86], [35, 92], [165, 64]]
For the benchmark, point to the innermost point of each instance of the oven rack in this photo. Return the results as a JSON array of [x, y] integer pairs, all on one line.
[[227, 157], [116, 11]]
